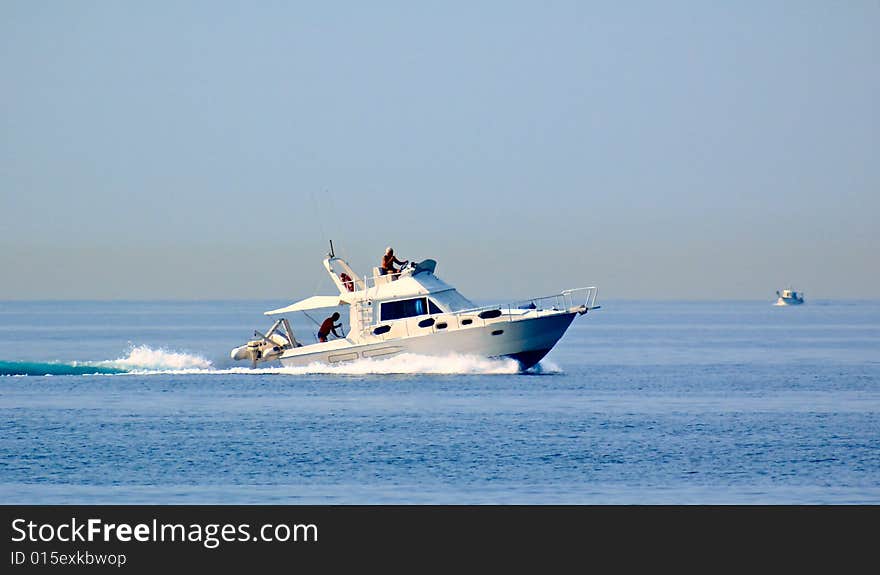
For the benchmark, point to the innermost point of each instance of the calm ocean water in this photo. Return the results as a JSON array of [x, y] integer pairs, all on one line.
[[640, 403]]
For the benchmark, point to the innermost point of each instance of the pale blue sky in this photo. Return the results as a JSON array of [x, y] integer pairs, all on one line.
[[655, 149]]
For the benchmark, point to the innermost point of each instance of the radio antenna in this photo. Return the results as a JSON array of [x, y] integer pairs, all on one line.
[[332, 255]]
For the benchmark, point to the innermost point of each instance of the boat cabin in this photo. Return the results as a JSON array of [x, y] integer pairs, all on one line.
[[389, 306]]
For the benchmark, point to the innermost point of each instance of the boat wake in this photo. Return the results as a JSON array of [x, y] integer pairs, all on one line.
[[21, 368], [139, 359], [144, 360]]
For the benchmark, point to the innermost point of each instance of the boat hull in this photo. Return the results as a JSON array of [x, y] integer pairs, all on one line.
[[525, 340]]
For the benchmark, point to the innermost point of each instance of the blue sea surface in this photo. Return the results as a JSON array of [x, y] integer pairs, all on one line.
[[724, 402]]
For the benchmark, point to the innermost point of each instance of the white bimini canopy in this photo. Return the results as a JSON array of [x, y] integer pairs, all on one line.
[[314, 302]]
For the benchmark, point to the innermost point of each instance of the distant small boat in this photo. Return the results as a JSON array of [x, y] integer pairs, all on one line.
[[789, 297]]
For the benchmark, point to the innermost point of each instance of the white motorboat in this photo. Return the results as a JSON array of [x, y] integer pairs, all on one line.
[[414, 311], [789, 297]]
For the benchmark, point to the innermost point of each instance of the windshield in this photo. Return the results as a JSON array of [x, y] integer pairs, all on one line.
[[452, 300]]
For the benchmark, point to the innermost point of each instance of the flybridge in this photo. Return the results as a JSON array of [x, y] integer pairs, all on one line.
[[414, 311]]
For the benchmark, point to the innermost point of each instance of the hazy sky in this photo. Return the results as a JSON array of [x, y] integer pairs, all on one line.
[[656, 149]]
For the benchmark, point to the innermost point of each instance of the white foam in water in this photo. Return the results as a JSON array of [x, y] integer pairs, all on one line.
[[547, 367], [145, 358], [408, 363]]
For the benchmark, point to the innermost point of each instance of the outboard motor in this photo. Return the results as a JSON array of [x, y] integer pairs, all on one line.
[[261, 349], [266, 347]]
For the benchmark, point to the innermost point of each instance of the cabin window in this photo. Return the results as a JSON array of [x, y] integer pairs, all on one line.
[[404, 308], [432, 307]]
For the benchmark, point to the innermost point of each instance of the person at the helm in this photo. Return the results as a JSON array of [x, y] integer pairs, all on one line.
[[388, 261]]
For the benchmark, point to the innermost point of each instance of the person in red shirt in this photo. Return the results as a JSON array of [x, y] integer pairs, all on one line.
[[328, 327]]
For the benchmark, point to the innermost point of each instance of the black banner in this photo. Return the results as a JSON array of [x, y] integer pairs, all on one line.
[[419, 538]]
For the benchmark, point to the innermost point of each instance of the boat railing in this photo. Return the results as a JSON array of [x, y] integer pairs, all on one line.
[[380, 279], [564, 300]]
